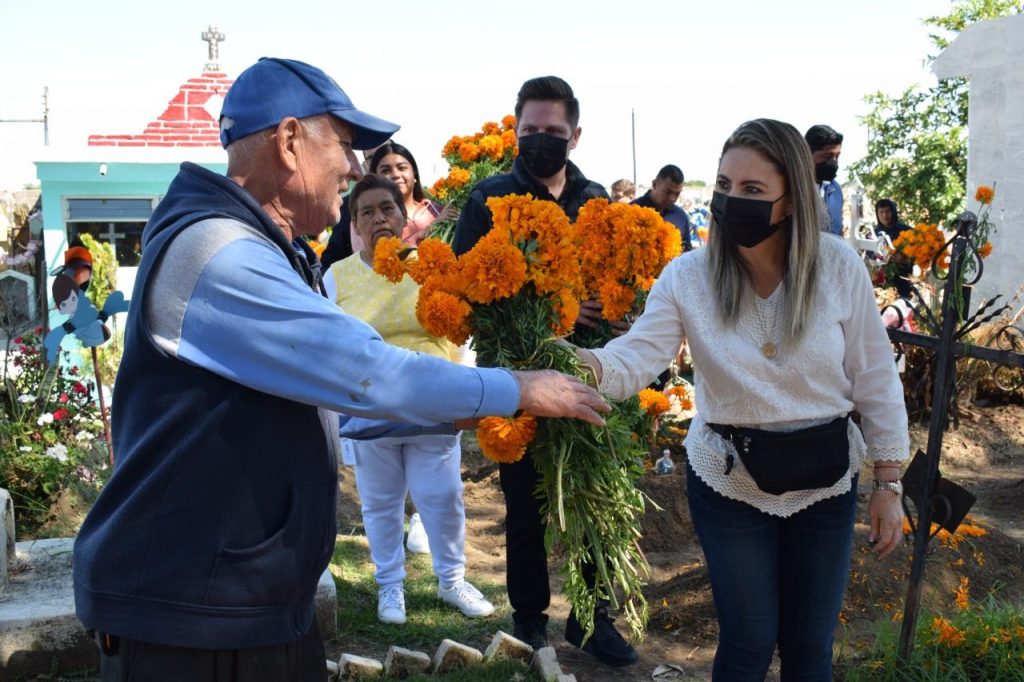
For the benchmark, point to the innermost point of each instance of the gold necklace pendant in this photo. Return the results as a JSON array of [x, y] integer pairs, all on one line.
[[769, 350]]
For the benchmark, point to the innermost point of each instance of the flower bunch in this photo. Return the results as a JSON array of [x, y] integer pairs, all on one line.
[[655, 403], [921, 244], [623, 248], [517, 291], [471, 158]]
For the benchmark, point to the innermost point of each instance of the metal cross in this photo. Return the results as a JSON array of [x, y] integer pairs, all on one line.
[[213, 37], [935, 498]]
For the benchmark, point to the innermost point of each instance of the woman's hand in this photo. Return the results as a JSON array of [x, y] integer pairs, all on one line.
[[448, 212], [886, 515]]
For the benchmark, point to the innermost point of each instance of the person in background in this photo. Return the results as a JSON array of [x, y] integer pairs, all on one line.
[[888, 216], [396, 163], [623, 191], [662, 197], [225, 434], [428, 467], [826, 145], [786, 342], [547, 125]]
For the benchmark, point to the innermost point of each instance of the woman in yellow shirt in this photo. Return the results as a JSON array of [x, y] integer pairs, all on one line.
[[428, 467]]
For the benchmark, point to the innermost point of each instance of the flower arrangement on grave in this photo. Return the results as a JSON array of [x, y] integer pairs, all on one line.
[[472, 158], [517, 292]]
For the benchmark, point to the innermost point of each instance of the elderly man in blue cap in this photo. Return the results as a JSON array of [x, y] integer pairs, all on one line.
[[200, 559]]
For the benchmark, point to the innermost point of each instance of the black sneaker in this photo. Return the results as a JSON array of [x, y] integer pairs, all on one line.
[[606, 644], [534, 634]]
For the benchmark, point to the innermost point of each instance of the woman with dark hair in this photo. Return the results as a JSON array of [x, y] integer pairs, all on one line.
[[428, 466], [786, 341], [395, 162]]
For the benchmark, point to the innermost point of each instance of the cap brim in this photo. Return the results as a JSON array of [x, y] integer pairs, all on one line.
[[368, 131]]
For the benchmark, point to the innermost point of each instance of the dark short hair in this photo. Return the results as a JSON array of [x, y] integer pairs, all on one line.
[[551, 89], [372, 181], [395, 148], [821, 136], [672, 173]]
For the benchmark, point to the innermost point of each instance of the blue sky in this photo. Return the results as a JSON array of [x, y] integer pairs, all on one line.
[[691, 71]]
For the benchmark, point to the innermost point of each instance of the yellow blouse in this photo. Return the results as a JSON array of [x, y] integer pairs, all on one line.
[[388, 308]]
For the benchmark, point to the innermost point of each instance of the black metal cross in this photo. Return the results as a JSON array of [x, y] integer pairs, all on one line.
[[935, 498]]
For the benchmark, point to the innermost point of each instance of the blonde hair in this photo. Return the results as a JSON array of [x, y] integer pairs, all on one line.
[[782, 144]]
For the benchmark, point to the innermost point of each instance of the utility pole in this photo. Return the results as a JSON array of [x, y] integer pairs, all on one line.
[[45, 120], [632, 116]]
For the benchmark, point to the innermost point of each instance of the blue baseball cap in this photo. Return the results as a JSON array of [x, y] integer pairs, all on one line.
[[273, 89]]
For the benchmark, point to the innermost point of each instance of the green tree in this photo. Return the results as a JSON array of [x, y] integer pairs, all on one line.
[[917, 140]]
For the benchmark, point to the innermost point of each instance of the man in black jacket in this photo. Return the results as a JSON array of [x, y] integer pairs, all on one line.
[[547, 126]]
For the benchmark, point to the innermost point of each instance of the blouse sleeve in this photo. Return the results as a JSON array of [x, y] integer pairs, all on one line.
[[632, 361], [871, 367]]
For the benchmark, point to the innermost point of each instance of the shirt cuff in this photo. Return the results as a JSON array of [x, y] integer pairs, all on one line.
[[500, 396]]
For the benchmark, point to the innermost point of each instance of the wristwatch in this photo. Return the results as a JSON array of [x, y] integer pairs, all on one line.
[[891, 486]]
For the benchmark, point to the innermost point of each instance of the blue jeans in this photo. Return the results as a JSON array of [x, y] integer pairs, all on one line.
[[775, 581]]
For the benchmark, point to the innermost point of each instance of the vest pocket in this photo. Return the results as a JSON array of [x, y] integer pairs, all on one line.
[[275, 571]]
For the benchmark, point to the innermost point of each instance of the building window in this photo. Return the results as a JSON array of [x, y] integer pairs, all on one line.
[[118, 222]]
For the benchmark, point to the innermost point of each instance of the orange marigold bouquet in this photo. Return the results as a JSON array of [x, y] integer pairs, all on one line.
[[623, 248], [471, 158], [517, 293]]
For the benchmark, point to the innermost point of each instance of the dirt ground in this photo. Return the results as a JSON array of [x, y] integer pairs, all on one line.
[[986, 456]]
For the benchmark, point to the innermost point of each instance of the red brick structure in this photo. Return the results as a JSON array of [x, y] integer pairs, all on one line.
[[190, 119]]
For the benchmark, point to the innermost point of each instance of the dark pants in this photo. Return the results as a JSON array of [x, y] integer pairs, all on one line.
[[526, 560], [303, 660], [775, 581]]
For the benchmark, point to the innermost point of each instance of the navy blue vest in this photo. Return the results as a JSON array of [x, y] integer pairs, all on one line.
[[220, 514]]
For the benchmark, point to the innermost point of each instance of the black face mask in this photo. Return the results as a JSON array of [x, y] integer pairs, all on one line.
[[543, 154], [826, 170], [746, 222]]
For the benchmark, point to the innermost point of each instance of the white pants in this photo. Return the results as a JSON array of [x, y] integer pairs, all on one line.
[[430, 469]]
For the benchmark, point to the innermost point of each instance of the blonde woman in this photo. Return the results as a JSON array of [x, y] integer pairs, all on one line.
[[786, 342]]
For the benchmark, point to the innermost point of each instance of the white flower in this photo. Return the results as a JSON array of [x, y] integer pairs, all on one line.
[[83, 436], [26, 398], [59, 452], [45, 418], [25, 448]]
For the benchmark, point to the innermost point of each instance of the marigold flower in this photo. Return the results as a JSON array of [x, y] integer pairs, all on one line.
[[567, 306], [508, 122], [616, 300], [654, 402], [444, 315], [682, 394], [491, 145], [434, 257], [986, 250], [493, 269], [387, 258], [469, 152], [457, 177], [490, 128], [962, 593], [452, 146], [984, 195], [504, 439]]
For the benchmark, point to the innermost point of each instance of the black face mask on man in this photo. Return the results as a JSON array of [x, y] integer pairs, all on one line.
[[543, 154], [746, 222], [826, 170]]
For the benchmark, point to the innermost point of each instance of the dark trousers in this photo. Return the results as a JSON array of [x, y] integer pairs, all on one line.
[[526, 560], [124, 660], [775, 581]]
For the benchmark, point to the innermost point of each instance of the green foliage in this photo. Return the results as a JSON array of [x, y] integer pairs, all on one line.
[[103, 282], [917, 140], [983, 642], [49, 433]]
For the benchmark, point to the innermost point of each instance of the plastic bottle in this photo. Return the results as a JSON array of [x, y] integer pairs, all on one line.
[[664, 465]]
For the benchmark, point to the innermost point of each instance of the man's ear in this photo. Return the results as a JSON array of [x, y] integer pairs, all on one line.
[[575, 139], [287, 139]]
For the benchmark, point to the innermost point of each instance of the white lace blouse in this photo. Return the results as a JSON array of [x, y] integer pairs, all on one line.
[[844, 362]]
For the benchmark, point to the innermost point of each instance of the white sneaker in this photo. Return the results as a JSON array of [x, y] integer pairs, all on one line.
[[417, 541], [391, 604], [467, 599]]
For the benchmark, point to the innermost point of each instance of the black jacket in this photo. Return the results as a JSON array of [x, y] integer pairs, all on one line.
[[475, 220]]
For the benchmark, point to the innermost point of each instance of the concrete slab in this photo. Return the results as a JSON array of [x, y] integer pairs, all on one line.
[[327, 605], [38, 626]]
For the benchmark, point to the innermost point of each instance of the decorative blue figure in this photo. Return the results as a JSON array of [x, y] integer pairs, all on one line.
[[85, 322]]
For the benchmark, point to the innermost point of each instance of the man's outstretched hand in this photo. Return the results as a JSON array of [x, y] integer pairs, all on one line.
[[547, 393]]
